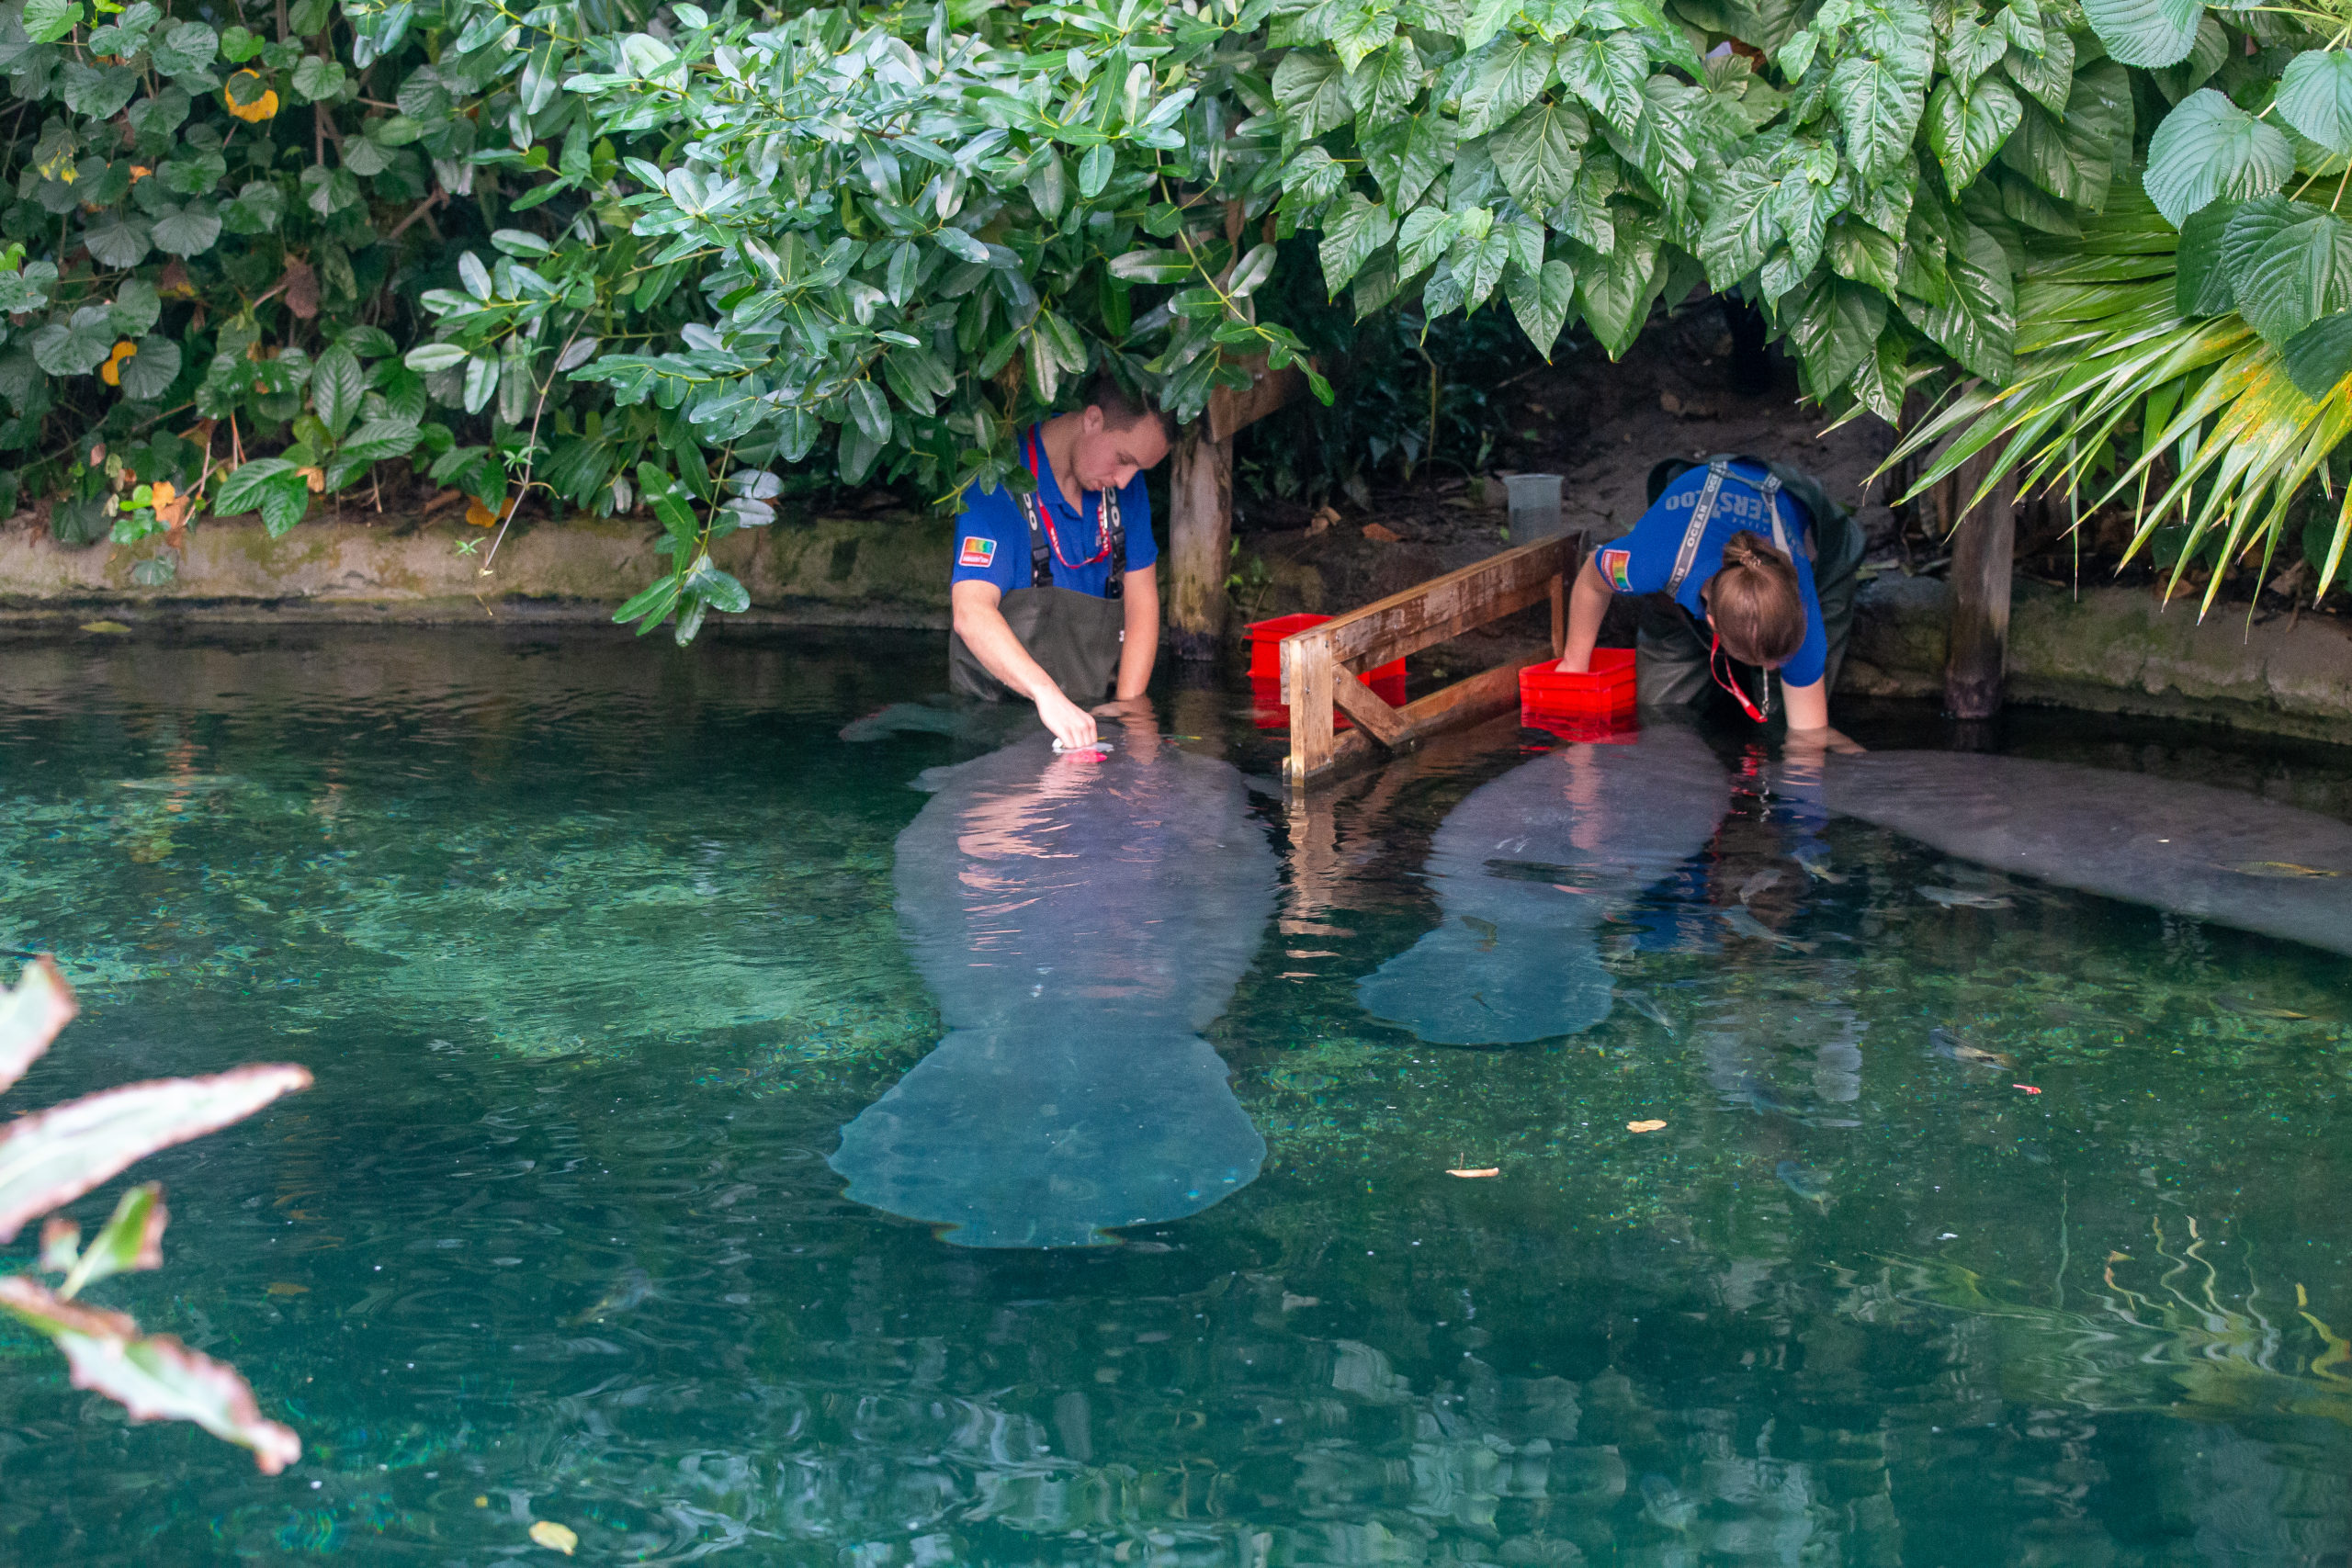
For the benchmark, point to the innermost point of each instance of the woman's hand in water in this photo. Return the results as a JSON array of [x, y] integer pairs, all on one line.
[[1071, 724], [1817, 743]]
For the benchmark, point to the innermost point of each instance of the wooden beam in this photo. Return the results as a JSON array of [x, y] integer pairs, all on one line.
[[1307, 691], [1983, 549], [1200, 540], [1370, 709], [1447, 606], [1482, 696]]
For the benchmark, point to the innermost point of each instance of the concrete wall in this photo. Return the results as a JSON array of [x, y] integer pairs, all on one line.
[[2121, 650], [885, 570], [2112, 649]]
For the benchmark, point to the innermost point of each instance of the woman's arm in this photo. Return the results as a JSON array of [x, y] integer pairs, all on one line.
[[1809, 726], [1588, 604], [1141, 649], [981, 624]]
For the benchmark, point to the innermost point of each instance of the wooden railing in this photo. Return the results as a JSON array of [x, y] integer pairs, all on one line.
[[1443, 607]]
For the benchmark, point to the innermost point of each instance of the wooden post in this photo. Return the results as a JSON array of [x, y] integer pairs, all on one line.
[[1983, 546], [1306, 691], [1200, 540], [1200, 494]]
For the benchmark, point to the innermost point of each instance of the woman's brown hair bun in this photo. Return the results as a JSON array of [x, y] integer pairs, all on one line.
[[1754, 602]]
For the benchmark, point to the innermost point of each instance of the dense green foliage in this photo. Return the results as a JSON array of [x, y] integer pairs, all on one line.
[[687, 258]]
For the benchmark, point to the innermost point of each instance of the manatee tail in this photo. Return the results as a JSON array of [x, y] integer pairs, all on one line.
[[1492, 985]]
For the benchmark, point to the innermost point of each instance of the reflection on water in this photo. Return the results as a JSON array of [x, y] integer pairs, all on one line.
[[1526, 866], [1080, 920], [595, 954]]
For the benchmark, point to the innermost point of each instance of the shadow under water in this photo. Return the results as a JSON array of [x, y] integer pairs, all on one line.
[[1527, 867], [1080, 918]]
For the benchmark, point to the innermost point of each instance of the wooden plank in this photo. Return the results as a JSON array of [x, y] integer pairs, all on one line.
[[1467, 701], [1307, 689], [1447, 606], [1200, 537], [1560, 611], [1370, 709], [1983, 546]]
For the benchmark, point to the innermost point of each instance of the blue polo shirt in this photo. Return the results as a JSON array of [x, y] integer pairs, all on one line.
[[992, 537], [1642, 562]]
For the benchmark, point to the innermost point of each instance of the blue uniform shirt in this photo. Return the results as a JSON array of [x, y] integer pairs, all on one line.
[[1642, 562], [992, 537]]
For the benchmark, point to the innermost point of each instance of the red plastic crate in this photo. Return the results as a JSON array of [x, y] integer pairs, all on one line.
[[1605, 693], [1266, 653]]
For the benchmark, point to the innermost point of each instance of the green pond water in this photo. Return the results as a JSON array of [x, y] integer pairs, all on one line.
[[593, 949]]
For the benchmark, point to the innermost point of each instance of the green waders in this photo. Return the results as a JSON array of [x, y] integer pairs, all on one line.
[[1075, 638], [1671, 647]]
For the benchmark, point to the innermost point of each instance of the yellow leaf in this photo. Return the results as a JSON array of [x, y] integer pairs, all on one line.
[[282, 1287], [260, 109], [112, 371], [554, 1537], [1644, 1127], [110, 628]]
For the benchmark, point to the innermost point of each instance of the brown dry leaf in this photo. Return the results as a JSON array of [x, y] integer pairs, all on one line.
[[301, 284], [1490, 1170], [1644, 1127], [282, 1287], [1383, 532], [1323, 517], [316, 477], [554, 1537]]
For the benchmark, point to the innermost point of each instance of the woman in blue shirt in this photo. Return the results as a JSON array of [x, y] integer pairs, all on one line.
[[1729, 556]]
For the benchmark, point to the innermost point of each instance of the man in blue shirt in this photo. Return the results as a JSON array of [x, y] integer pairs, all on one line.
[[1056, 591], [1727, 556]]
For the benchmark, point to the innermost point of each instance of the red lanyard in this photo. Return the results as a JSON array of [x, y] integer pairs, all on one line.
[[1030, 447], [1715, 652]]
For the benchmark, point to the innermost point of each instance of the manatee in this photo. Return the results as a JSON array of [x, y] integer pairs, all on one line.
[[2216, 854], [1524, 869], [1079, 920]]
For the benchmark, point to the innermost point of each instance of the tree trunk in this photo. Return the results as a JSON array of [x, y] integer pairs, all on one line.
[[1983, 547], [1200, 540]]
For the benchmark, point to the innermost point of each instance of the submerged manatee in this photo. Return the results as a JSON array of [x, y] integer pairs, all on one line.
[[1080, 920], [2217, 854], [1526, 866]]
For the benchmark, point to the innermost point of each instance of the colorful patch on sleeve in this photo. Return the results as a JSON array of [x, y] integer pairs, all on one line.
[[1617, 566], [976, 551]]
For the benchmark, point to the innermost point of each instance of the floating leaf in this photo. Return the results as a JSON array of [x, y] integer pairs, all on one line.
[[554, 1537], [1644, 1127]]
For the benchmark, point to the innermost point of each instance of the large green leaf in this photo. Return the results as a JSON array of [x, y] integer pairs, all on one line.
[[1742, 228], [1616, 292], [2315, 98], [1360, 29], [1606, 72], [1878, 102], [2201, 284], [1540, 301], [74, 347], [1964, 130], [1834, 329], [2300, 273], [1385, 86], [118, 239], [2207, 148], [1355, 230], [50, 1157], [2320, 357], [1538, 155], [149, 374], [2146, 32], [337, 383], [1505, 80], [1311, 91], [1976, 324]]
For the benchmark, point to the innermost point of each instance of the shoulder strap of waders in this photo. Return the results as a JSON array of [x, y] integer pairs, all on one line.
[[1115, 529], [1703, 509]]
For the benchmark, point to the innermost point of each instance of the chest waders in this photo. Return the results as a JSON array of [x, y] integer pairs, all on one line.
[[1075, 638]]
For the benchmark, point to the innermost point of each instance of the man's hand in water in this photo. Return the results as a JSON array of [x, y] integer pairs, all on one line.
[[1071, 724]]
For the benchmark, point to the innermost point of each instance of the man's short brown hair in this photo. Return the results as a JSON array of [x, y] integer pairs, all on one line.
[[1122, 409]]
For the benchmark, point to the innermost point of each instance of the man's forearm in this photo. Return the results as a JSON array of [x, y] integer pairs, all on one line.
[[1141, 650]]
